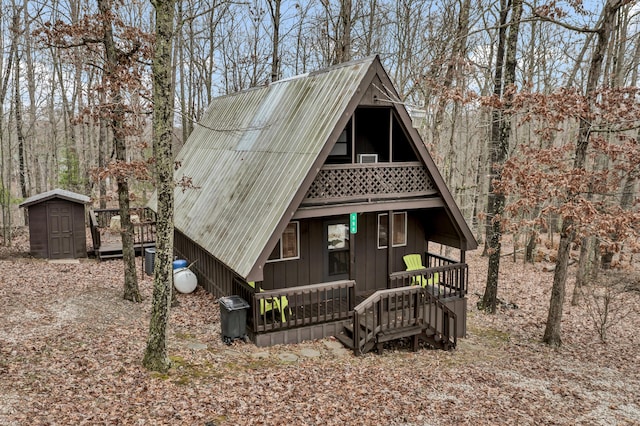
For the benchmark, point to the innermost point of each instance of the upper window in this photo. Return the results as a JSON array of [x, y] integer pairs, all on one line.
[[341, 151], [399, 230], [288, 246]]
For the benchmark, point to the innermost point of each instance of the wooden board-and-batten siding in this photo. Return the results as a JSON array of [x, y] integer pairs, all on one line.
[[212, 274], [372, 269]]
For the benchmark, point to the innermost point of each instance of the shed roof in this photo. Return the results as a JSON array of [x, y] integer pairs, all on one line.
[[56, 193], [253, 152]]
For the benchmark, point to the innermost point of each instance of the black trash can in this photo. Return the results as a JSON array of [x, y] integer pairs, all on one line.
[[233, 318], [149, 260]]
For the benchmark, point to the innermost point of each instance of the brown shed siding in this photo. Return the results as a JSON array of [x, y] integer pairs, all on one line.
[[38, 233], [57, 229], [79, 230]]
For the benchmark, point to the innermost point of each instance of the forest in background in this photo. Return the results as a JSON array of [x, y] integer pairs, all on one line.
[[529, 110]]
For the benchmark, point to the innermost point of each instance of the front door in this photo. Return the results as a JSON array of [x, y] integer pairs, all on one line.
[[60, 218], [336, 249]]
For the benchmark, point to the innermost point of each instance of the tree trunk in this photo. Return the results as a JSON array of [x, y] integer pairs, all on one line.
[[458, 52], [102, 147], [499, 147], [5, 184], [155, 357], [131, 290], [585, 268], [20, 132], [34, 154], [343, 42], [498, 85], [552, 332], [274, 8]]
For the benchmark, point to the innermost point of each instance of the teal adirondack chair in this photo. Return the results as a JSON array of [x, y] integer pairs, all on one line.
[[414, 263], [273, 304]]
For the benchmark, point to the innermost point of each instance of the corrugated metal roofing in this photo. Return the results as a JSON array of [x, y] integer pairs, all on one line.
[[56, 193], [250, 154]]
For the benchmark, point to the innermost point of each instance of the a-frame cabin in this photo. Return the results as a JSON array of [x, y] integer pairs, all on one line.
[[285, 173]]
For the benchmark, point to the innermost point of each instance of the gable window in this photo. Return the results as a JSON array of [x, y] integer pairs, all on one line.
[[288, 246], [341, 151], [399, 237]]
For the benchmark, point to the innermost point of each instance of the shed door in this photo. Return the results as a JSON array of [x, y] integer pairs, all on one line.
[[60, 221]]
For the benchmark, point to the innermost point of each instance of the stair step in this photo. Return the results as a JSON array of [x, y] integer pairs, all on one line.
[[345, 340], [110, 256], [385, 336]]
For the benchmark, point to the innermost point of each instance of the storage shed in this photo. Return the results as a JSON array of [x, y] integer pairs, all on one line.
[[57, 224]]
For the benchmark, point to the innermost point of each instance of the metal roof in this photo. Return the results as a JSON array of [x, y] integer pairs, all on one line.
[[56, 193], [250, 153], [254, 153]]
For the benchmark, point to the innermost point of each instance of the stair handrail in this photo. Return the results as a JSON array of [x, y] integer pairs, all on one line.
[[375, 302], [448, 317], [95, 231], [419, 306]]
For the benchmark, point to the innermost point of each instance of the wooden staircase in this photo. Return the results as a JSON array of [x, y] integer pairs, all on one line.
[[407, 312]]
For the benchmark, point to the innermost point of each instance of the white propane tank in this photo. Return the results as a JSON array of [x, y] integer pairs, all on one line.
[[184, 280]]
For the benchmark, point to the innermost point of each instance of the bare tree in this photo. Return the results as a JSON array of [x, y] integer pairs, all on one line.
[[552, 333], [5, 166], [499, 146], [155, 357]]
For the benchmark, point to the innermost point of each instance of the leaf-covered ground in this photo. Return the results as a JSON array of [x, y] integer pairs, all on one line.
[[70, 351]]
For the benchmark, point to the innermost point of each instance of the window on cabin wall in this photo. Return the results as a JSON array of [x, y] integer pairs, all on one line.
[[341, 151], [399, 237], [288, 246]]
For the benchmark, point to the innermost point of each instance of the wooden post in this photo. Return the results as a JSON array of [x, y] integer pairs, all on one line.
[[389, 246]]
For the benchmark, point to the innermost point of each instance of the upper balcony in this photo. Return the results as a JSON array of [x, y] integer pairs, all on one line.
[[349, 183]]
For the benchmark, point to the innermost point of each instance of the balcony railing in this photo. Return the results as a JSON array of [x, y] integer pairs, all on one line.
[[355, 182]]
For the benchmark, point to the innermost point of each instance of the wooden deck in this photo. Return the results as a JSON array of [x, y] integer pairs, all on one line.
[[435, 314], [113, 250], [107, 242]]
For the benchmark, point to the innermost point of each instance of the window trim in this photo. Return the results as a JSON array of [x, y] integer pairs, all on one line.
[[389, 234], [279, 243]]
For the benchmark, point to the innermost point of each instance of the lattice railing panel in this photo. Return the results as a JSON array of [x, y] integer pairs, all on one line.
[[370, 181]]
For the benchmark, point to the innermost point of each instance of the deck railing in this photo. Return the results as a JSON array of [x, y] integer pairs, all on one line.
[[305, 305], [103, 216], [401, 312], [144, 232], [433, 260], [443, 277], [441, 319], [95, 231], [351, 182], [384, 311]]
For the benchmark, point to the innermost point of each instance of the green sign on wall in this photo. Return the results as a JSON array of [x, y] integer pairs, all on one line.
[[353, 223]]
